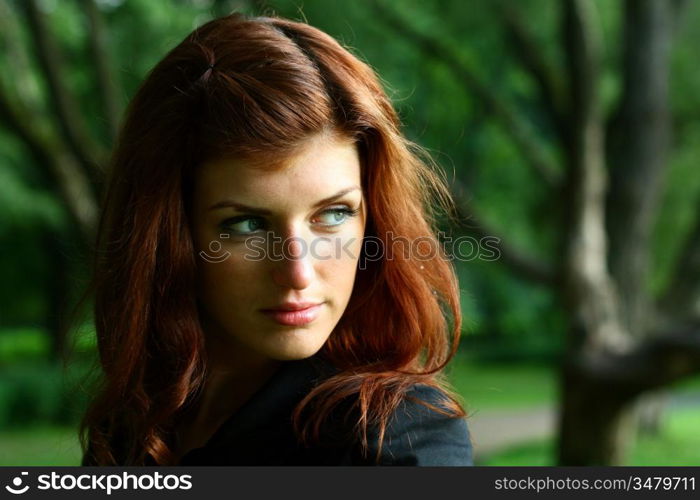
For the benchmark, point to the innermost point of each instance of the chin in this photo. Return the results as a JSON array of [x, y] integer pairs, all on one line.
[[301, 349]]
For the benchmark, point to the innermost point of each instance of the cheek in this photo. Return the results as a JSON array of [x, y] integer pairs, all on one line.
[[229, 281], [339, 261]]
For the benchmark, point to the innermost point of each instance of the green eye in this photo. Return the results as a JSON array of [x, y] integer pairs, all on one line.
[[245, 225], [336, 216], [242, 225]]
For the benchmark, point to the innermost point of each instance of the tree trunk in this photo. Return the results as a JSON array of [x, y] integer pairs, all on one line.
[[594, 429], [639, 138]]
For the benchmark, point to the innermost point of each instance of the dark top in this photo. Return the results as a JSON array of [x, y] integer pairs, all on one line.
[[260, 432]]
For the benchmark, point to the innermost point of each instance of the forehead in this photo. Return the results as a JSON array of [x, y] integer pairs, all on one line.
[[320, 167]]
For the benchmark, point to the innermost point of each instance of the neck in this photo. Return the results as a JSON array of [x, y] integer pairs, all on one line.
[[234, 375]]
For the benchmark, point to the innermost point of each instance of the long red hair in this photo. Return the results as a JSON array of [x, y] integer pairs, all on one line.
[[251, 87]]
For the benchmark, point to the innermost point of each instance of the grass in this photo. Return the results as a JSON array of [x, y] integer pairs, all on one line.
[[678, 444], [52, 446], [501, 386], [535, 453]]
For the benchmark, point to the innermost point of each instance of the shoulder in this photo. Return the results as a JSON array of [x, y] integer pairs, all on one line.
[[417, 434]]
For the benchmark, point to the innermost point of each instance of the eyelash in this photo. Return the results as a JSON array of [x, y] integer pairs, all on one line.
[[347, 211]]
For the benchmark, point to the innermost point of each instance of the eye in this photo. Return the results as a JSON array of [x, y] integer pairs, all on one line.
[[242, 225], [336, 216]]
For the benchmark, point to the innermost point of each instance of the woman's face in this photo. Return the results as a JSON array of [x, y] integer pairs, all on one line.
[[272, 241]]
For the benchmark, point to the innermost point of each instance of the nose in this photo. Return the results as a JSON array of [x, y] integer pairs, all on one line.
[[295, 269]]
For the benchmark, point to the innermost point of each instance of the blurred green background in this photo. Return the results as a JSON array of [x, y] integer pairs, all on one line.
[[581, 342]]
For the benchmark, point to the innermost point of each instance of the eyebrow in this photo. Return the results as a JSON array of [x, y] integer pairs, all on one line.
[[263, 211]]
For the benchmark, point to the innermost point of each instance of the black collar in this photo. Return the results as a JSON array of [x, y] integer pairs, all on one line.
[[266, 413]]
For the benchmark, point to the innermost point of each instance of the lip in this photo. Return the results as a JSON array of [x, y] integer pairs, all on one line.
[[293, 306], [294, 314]]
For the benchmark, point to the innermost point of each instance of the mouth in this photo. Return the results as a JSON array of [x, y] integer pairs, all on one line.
[[301, 315]]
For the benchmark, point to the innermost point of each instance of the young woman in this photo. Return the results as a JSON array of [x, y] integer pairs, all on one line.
[[269, 288]]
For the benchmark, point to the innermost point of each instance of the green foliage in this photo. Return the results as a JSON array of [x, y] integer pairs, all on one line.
[[438, 111], [505, 312], [23, 344], [677, 209], [28, 211], [506, 320], [33, 394]]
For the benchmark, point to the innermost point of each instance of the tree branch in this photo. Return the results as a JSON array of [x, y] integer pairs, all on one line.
[[677, 7], [521, 136], [525, 266], [72, 184], [20, 79], [79, 142], [658, 361], [682, 297], [102, 62], [527, 52]]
